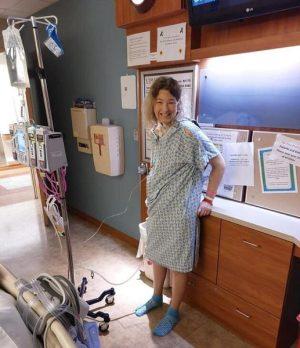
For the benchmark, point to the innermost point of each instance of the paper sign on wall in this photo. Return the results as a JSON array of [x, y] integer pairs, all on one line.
[[171, 42], [239, 158], [128, 92], [286, 148], [138, 49], [277, 176], [219, 138]]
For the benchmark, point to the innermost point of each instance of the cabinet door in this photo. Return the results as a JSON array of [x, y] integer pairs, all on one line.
[[247, 320], [209, 248], [254, 266]]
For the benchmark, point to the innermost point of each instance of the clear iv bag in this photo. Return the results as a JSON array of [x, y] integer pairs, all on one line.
[[15, 57]]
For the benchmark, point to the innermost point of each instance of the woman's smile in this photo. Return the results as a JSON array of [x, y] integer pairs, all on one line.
[[165, 107]]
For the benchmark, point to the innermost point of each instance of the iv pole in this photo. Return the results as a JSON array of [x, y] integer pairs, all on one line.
[[46, 21]]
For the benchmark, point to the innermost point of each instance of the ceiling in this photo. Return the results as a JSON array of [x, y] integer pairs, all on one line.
[[22, 8]]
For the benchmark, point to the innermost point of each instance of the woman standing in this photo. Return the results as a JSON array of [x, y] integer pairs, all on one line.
[[180, 153]]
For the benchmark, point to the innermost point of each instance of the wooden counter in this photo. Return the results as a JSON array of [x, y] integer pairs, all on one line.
[[248, 275]]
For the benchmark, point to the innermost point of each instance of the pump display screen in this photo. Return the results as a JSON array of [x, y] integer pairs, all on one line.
[[21, 141]]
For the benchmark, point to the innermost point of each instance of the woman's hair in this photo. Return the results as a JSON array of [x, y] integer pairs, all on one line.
[[165, 83]]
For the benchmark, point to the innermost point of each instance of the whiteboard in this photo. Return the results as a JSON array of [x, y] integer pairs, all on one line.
[[187, 79]]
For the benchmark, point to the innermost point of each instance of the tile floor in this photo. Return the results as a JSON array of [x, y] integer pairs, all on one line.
[[15, 186], [28, 248]]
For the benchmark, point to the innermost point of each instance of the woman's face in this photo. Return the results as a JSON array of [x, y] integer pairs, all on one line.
[[165, 107]]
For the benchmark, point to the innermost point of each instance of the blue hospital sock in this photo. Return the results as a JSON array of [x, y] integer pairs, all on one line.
[[154, 302], [167, 323]]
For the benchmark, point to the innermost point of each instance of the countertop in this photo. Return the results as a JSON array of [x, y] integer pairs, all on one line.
[[275, 224]]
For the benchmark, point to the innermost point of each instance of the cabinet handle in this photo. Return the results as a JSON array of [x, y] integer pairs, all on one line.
[[243, 314], [251, 244]]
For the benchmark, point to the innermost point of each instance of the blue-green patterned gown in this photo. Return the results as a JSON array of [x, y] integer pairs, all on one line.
[[174, 187]]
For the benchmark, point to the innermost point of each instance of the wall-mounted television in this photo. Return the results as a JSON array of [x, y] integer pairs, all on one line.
[[214, 11]]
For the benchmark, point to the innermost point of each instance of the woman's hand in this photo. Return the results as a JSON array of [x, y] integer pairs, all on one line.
[[204, 209]]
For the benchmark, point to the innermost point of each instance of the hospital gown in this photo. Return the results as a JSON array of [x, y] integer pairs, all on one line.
[[174, 187]]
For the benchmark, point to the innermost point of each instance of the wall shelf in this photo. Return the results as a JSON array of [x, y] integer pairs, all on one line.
[[259, 44]]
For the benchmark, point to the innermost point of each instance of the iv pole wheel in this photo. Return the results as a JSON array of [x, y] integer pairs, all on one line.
[[103, 327], [110, 299]]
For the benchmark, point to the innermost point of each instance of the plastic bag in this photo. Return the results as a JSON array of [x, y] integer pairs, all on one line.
[[53, 42], [15, 57]]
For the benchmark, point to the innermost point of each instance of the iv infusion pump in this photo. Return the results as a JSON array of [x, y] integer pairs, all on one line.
[[38, 146]]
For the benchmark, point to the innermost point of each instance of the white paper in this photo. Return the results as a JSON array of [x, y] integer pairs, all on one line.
[[219, 137], [286, 148], [153, 56], [239, 164], [138, 49], [277, 176], [171, 41], [128, 92], [225, 190]]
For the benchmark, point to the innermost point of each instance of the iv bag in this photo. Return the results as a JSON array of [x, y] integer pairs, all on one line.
[[53, 42], [15, 57]]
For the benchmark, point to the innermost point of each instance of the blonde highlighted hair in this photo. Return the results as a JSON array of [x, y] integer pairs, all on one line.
[[165, 83]]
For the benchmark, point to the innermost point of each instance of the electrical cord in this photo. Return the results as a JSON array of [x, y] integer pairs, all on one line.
[[109, 282], [115, 215]]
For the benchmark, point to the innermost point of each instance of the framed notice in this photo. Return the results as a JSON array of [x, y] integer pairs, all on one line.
[[277, 175], [187, 79], [276, 181]]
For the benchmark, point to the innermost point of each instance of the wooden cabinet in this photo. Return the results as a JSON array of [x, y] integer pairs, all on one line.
[[127, 15], [241, 280], [209, 248], [254, 266], [247, 320]]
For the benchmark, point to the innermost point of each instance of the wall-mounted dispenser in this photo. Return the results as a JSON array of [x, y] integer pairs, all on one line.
[[108, 149], [82, 119]]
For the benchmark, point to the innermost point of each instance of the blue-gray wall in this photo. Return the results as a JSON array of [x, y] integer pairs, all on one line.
[[94, 60]]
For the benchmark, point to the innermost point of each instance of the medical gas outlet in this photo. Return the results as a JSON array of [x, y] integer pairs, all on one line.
[[108, 149], [82, 119]]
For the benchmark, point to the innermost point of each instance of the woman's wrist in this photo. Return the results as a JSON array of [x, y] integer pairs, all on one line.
[[208, 200], [211, 194]]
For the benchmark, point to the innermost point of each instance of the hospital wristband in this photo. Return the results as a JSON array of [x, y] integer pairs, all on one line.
[[208, 200], [211, 194]]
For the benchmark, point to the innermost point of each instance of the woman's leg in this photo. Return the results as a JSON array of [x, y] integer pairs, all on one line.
[[179, 281], [155, 301], [159, 273], [171, 318]]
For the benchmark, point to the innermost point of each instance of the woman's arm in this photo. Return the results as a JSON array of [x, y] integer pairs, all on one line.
[[218, 167]]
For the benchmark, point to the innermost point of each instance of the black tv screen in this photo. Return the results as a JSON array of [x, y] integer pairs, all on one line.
[[214, 11]]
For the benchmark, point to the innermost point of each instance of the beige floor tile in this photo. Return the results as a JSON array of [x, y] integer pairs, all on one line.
[[28, 248]]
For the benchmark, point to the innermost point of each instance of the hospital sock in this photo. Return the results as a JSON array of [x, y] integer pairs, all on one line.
[[154, 302], [167, 323]]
